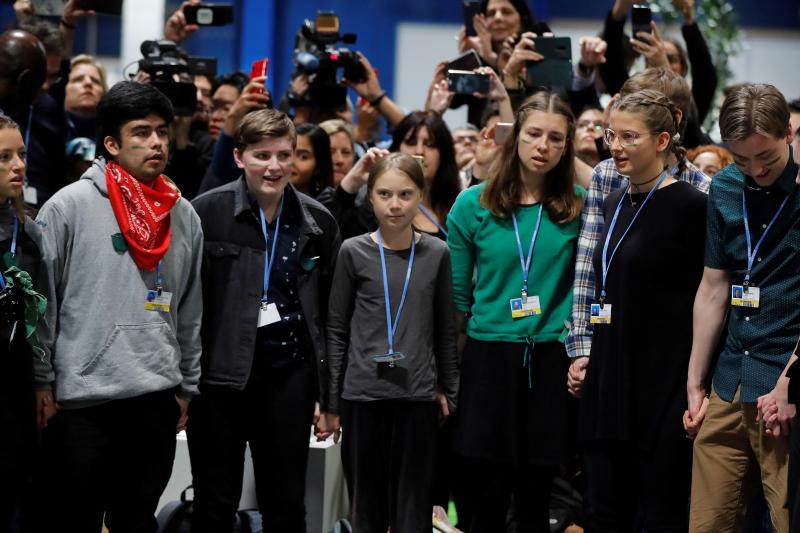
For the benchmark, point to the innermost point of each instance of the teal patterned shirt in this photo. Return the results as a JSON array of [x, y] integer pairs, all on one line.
[[759, 341]]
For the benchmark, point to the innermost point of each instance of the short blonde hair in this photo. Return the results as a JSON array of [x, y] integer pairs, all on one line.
[[86, 59], [338, 125]]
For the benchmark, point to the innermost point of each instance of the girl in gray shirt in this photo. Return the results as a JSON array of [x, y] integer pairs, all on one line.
[[392, 356]]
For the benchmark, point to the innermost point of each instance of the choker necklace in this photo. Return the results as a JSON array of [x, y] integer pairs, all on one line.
[[637, 185]]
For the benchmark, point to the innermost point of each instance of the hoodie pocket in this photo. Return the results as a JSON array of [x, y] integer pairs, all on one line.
[[135, 353]]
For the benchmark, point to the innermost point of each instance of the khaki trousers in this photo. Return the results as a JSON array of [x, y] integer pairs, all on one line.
[[730, 443]]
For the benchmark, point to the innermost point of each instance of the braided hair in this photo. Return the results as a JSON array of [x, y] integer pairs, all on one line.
[[660, 114]]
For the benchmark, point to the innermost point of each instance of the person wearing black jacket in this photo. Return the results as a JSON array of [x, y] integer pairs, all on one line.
[[21, 264], [704, 75], [267, 264]]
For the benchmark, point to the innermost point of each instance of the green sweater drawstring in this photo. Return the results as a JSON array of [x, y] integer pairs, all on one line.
[[526, 358]]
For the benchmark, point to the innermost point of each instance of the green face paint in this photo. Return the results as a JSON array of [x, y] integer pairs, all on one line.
[[523, 141], [138, 148], [770, 163]]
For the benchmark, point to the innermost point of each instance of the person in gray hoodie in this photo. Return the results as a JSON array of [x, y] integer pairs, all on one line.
[[123, 253]]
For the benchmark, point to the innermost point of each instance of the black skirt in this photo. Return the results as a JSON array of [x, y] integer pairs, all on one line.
[[502, 417]]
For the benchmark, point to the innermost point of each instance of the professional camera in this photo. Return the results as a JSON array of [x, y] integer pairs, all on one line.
[[171, 72], [317, 56]]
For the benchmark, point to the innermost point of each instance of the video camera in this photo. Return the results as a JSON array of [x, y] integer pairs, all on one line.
[[317, 56], [171, 72]]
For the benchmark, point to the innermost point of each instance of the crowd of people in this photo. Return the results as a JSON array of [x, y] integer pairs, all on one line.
[[447, 302]]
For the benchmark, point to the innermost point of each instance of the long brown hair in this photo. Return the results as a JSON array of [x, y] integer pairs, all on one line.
[[502, 192], [19, 204]]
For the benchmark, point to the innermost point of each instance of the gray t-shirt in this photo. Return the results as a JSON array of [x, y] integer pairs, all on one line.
[[425, 334]]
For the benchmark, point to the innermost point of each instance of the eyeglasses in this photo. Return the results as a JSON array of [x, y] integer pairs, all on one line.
[[596, 125], [627, 138]]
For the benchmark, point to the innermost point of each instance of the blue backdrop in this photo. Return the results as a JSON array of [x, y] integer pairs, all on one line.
[[267, 28]]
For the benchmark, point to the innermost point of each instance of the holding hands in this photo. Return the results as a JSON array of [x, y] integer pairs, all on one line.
[[177, 30], [775, 410]]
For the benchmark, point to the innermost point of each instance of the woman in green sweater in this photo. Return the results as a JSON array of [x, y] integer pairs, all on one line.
[[518, 234]]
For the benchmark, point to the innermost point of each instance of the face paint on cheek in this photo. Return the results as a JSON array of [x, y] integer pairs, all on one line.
[[770, 163], [138, 147], [524, 141]]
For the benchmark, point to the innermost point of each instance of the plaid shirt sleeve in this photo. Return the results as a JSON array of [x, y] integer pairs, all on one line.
[[605, 179]]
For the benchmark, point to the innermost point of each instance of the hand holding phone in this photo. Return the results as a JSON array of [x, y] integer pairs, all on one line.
[[209, 14]]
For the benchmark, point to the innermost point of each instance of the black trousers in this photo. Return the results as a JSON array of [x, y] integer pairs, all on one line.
[[491, 487], [390, 447], [628, 489], [113, 459], [274, 415]]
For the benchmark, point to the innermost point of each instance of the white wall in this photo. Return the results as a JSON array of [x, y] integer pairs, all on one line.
[[768, 56]]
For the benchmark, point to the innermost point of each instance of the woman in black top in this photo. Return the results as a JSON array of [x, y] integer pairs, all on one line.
[[648, 265], [20, 262]]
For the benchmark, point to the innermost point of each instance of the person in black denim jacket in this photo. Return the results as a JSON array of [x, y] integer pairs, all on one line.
[[266, 274]]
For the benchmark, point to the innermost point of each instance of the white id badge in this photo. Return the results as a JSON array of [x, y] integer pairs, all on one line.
[[745, 296], [268, 315], [158, 302], [600, 315], [30, 195], [520, 308]]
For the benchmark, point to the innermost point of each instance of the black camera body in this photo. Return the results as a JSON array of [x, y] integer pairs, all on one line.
[[171, 70], [317, 55]]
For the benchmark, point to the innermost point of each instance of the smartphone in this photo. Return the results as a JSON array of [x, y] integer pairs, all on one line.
[[259, 68], [468, 61], [641, 16], [107, 7], [555, 70], [470, 10], [502, 131], [209, 14], [466, 82]]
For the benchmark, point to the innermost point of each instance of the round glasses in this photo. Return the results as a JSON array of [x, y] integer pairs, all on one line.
[[626, 138]]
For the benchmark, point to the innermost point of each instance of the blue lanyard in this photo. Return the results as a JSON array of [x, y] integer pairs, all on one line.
[[432, 219], [13, 249], [606, 260], [159, 279], [392, 327], [28, 133], [269, 261], [526, 263], [752, 252]]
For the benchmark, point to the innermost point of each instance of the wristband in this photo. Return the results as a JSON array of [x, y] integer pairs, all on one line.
[[377, 100], [66, 24]]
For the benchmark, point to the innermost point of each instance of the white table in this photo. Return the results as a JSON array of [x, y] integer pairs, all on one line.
[[326, 493]]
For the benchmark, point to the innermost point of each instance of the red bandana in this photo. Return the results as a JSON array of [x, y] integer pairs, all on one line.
[[142, 213]]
